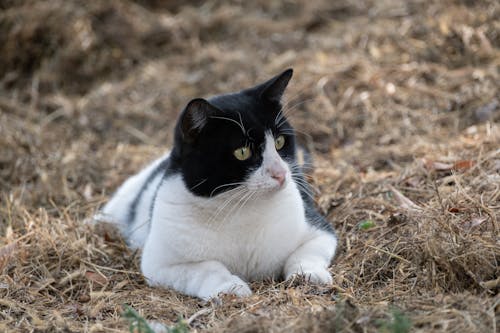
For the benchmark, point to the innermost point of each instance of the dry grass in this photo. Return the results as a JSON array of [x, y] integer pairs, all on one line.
[[398, 100]]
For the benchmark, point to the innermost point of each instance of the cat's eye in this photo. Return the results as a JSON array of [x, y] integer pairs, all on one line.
[[243, 153], [279, 142]]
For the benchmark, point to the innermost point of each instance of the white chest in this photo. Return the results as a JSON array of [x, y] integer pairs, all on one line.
[[253, 241]]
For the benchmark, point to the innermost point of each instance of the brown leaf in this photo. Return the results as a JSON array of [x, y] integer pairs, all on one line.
[[456, 209], [463, 165], [95, 277]]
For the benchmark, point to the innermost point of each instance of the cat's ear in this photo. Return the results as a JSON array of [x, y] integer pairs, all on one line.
[[273, 89], [194, 117]]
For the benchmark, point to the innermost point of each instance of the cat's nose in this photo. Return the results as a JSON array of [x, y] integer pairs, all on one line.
[[279, 175]]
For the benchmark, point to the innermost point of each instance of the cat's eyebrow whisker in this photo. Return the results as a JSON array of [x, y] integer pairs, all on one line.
[[287, 110], [240, 125], [278, 117], [296, 95], [288, 132], [309, 136]]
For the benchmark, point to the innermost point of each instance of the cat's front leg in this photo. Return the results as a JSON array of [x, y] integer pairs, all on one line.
[[312, 258], [205, 279]]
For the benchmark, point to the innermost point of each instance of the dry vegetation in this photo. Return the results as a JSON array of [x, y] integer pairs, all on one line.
[[398, 100]]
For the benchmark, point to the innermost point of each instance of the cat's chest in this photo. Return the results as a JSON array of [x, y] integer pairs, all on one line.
[[256, 242], [253, 239]]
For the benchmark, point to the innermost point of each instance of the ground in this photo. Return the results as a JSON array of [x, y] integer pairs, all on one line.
[[398, 102]]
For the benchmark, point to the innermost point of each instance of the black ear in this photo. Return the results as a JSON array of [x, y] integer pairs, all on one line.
[[195, 117], [273, 89]]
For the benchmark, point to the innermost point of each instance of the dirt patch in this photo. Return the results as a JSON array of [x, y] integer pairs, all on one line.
[[397, 100]]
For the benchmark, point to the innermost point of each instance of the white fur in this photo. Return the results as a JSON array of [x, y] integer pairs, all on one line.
[[206, 246], [116, 210]]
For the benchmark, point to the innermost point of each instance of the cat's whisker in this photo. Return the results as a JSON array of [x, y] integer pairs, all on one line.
[[300, 169], [288, 106], [241, 123], [304, 166], [252, 193], [235, 206], [296, 95], [308, 180], [307, 135], [306, 192], [232, 120], [224, 185], [287, 132], [234, 195], [303, 171], [287, 110], [299, 177], [306, 186], [279, 116], [200, 183], [130, 232]]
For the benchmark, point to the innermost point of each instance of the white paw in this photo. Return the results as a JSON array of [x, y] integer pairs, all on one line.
[[316, 276], [234, 286]]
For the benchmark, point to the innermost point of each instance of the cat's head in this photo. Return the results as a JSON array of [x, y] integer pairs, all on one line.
[[239, 140]]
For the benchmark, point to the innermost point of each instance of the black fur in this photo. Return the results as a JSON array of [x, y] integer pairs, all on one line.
[[208, 131], [161, 168]]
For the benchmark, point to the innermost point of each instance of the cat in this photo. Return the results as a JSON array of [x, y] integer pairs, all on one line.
[[229, 203]]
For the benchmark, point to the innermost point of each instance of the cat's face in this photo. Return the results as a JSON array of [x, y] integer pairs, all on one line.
[[236, 141]]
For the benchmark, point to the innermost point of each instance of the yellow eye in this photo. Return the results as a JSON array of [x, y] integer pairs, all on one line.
[[279, 142], [242, 153]]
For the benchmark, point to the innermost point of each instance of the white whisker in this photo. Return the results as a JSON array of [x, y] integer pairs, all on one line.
[[195, 186], [232, 120], [224, 185], [233, 195]]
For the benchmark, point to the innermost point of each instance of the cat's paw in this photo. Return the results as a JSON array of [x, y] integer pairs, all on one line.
[[233, 286], [316, 276]]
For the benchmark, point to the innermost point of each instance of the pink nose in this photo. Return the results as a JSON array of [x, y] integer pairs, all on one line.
[[279, 175]]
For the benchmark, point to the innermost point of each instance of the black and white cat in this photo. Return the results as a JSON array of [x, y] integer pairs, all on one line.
[[229, 203]]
